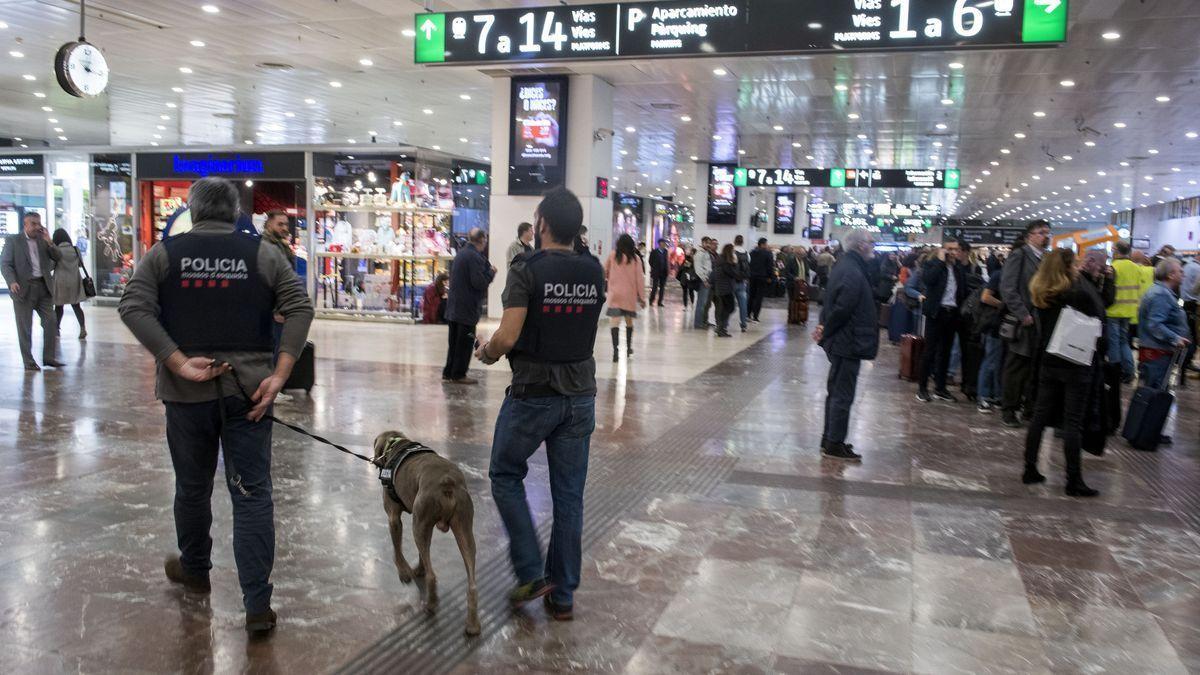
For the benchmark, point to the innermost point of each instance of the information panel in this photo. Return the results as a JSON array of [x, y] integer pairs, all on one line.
[[732, 27], [746, 177], [537, 147], [878, 178]]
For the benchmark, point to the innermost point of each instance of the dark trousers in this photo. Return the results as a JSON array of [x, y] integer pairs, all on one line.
[[658, 289], [1190, 308], [1064, 386], [939, 342], [37, 299], [194, 436], [758, 291], [972, 358], [458, 351], [689, 293], [725, 305], [1016, 382], [58, 315], [840, 387]]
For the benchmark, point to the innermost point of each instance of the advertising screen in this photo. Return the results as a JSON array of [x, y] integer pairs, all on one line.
[[785, 213], [722, 194], [537, 147]]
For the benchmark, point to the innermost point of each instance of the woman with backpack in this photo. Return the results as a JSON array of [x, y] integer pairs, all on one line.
[[68, 285]]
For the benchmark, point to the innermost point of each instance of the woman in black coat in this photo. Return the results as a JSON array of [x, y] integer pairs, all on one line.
[[726, 276]]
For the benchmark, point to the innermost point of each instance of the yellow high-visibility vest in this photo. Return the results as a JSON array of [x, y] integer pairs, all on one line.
[[1128, 279]]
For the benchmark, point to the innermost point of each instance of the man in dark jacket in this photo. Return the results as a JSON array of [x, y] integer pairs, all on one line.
[[944, 287], [1019, 269], [470, 276], [762, 275], [660, 268], [849, 334]]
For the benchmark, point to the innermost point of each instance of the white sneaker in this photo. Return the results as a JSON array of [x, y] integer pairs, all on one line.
[[284, 398]]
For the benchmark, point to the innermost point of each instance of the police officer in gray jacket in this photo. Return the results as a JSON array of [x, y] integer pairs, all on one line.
[[203, 303]]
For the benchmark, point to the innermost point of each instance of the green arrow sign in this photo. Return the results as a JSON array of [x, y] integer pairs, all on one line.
[[739, 177], [1045, 21], [837, 178], [953, 179], [431, 38]]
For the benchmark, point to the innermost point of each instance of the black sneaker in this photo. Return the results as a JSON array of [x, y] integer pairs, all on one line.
[[556, 611], [1011, 420], [924, 397], [841, 451], [529, 592], [943, 395], [261, 622]]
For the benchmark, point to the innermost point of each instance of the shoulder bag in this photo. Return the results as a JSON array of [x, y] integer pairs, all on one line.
[[89, 286]]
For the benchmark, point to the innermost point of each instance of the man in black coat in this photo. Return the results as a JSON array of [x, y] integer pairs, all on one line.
[[470, 276], [762, 276], [944, 287], [849, 334], [660, 269]]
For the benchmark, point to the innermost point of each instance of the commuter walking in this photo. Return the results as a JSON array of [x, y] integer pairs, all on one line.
[[552, 400], [688, 281], [944, 286], [762, 277], [1120, 317], [1020, 332], [202, 304], [470, 276], [726, 277], [705, 261], [741, 291], [26, 263], [626, 292], [522, 246], [660, 269], [849, 334], [1062, 385], [67, 283], [1162, 325]]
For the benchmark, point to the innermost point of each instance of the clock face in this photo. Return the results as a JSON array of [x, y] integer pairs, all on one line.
[[83, 70]]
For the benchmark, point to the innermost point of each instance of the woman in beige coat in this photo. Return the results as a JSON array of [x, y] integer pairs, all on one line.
[[67, 286]]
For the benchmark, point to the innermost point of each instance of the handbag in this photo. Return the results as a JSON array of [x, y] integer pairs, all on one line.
[[89, 286], [1074, 338]]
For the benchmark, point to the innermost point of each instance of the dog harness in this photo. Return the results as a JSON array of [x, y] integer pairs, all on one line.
[[398, 450]]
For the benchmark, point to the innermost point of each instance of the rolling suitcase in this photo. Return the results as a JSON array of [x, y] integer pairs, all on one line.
[[304, 372], [912, 348], [1148, 412], [798, 307]]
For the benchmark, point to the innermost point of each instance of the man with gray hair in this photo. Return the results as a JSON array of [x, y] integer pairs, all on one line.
[[470, 276], [1162, 325], [203, 303], [849, 334]]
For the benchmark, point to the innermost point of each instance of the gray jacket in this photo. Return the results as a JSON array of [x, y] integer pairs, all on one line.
[[17, 267], [1014, 291], [139, 310]]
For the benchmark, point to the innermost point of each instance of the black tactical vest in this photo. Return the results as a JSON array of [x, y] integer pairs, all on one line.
[[213, 299], [564, 308]]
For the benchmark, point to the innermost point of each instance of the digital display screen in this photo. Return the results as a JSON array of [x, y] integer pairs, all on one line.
[[903, 178], [730, 27], [722, 194], [537, 146], [627, 216], [785, 213], [746, 177]]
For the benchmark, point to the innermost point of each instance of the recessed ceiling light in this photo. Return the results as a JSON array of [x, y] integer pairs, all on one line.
[[151, 143], [437, 147], [853, 116], [1090, 144], [16, 54], [185, 70], [158, 135], [720, 72], [1152, 151], [1124, 163], [1163, 99], [940, 126], [177, 90], [335, 84], [796, 144], [810, 158], [694, 158], [47, 108], [58, 130], [171, 105], [397, 123], [160, 127], [427, 111], [197, 43], [463, 140], [955, 65], [1101, 173], [29, 77], [716, 137], [365, 62], [1067, 158], [1039, 113], [630, 130], [986, 172], [994, 163], [1192, 134], [741, 152], [1068, 83], [38, 94], [947, 101], [3, 25], [1005, 151], [937, 144], [351, 140], [667, 146], [210, 9], [814, 26], [62, 138], [778, 127], [1120, 125], [408, 33], [310, 101], [841, 87]]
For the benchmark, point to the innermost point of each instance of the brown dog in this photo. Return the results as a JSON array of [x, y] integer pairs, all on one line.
[[434, 490]]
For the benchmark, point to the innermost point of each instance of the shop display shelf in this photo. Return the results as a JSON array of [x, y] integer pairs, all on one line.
[[341, 255], [419, 210]]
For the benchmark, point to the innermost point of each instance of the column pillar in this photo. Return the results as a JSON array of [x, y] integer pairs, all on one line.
[[589, 109]]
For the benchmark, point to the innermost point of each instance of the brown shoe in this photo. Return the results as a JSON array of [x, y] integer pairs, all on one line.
[[262, 622], [191, 582]]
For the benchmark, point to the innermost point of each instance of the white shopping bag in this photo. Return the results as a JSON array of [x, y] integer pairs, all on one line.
[[1075, 337]]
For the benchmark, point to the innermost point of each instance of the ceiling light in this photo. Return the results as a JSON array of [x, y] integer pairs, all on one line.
[[1090, 144], [211, 9], [1124, 163], [955, 65], [778, 127], [365, 62], [947, 101], [160, 127], [995, 163], [1067, 158], [351, 140], [335, 84], [177, 90], [741, 152], [1176, 169], [465, 97], [158, 135], [1191, 134], [1018, 135], [1120, 125], [720, 72], [29, 77], [937, 144], [154, 143], [58, 130], [3, 25], [16, 54], [408, 33], [38, 94], [397, 123], [630, 130], [667, 146], [197, 43], [853, 116], [310, 101], [1005, 151], [185, 70], [1068, 83], [172, 105], [716, 137], [1152, 151], [427, 111], [47, 108], [62, 138], [1039, 113], [841, 87], [814, 26], [248, 142], [694, 158], [1163, 99]]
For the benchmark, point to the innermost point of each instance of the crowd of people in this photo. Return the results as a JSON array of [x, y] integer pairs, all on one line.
[[989, 322]]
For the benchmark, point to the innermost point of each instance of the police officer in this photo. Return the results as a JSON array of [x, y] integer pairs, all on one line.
[[203, 304], [552, 304]]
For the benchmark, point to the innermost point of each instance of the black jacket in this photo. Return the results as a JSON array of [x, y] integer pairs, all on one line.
[[1082, 297], [935, 276], [470, 276], [762, 263], [849, 317], [726, 275], [659, 267]]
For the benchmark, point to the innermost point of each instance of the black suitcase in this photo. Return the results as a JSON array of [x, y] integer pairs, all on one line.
[[1148, 412], [304, 372]]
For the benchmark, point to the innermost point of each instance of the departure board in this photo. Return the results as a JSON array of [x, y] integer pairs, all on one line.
[[849, 178], [733, 27]]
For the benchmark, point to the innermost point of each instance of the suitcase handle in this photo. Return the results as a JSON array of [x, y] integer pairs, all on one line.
[[1176, 362]]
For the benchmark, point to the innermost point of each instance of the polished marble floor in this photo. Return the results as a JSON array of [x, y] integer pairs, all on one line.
[[717, 540]]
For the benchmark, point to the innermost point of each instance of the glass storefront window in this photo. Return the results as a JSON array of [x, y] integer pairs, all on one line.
[[112, 223], [19, 195]]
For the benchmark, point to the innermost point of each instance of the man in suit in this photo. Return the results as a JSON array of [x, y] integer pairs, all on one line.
[[660, 268], [26, 264], [1019, 269], [944, 284]]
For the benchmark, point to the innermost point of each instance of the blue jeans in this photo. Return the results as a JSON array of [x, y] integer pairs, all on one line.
[[565, 425], [742, 292], [194, 436], [840, 389], [1154, 373], [989, 369], [702, 297], [1118, 345]]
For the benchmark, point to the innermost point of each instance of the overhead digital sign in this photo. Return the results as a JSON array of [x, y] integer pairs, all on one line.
[[22, 165], [849, 178], [537, 147], [746, 177], [732, 27]]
